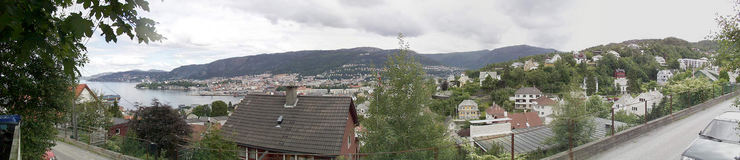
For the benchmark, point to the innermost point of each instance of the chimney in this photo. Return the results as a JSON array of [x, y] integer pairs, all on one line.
[[291, 95]]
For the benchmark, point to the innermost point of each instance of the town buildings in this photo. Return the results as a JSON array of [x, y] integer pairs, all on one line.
[[464, 79], [664, 76], [119, 127], [579, 57], [687, 63], [596, 58], [273, 126], [468, 110], [495, 112], [524, 97]]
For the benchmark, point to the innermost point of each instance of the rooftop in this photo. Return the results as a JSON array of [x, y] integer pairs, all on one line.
[[528, 90]]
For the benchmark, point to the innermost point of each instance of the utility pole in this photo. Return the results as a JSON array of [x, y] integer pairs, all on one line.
[[646, 114], [613, 121], [570, 139], [74, 120], [671, 104], [512, 146]]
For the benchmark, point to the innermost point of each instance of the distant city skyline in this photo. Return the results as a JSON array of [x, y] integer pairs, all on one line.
[[203, 31]]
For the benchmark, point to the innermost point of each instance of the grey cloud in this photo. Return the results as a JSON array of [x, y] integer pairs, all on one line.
[[533, 14]]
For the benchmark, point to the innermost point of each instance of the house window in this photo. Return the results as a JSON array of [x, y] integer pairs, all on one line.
[[253, 153], [118, 131], [634, 108], [349, 141]]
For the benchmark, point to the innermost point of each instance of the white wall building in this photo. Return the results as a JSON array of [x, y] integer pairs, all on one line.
[[633, 105], [686, 63], [664, 76], [524, 97], [544, 108]]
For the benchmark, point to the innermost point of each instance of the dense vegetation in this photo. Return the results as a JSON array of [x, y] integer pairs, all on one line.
[[478, 59], [42, 44]]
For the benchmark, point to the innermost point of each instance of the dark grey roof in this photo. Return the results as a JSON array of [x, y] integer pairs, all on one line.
[[315, 125], [528, 90], [534, 138], [117, 121]]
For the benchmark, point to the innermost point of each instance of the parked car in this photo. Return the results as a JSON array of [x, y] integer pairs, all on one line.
[[719, 140], [49, 155]]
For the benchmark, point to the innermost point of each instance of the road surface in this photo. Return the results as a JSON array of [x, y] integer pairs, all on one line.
[[65, 151], [667, 142]]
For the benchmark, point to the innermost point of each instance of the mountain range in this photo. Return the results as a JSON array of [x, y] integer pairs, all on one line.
[[313, 62]]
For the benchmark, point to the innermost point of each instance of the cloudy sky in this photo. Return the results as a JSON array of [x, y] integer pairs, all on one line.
[[203, 31]]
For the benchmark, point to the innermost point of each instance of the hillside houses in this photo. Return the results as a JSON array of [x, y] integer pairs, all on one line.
[[663, 77], [549, 62], [660, 60], [544, 106], [636, 105], [468, 110], [524, 97], [620, 81], [530, 65], [483, 75]]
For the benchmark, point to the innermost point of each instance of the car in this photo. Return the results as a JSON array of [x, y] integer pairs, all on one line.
[[719, 140], [49, 155]]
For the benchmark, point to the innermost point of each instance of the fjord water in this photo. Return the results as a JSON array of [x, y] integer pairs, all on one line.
[[130, 95]]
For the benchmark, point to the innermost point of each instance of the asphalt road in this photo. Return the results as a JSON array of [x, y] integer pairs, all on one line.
[[667, 142], [65, 151]]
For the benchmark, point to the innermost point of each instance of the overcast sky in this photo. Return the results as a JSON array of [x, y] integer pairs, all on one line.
[[203, 31]]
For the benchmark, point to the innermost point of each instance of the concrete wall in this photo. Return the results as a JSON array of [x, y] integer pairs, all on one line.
[[101, 151], [590, 149]]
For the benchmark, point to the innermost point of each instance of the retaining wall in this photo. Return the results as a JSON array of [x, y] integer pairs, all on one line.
[[98, 150], [590, 149]]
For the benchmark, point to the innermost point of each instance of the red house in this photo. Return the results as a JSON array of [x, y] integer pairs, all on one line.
[[293, 127], [119, 127]]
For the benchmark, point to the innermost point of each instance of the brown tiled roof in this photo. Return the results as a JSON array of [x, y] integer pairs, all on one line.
[[496, 111], [465, 132], [544, 101], [520, 120], [315, 125], [528, 90]]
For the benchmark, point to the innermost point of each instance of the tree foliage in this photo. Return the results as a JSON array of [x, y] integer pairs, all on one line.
[[214, 146], [41, 47], [219, 108], [573, 123], [728, 37], [115, 111], [399, 120], [201, 110], [161, 125]]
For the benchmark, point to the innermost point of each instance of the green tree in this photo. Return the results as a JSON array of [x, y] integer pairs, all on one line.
[[572, 124], [115, 111], [599, 108], [92, 115], [161, 125], [201, 110], [43, 44], [399, 120], [218, 108], [214, 146], [728, 37]]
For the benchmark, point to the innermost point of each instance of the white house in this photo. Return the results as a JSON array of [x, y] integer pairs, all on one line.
[[544, 108], [467, 110], [620, 81], [664, 76], [596, 58], [634, 105], [551, 61], [615, 53], [482, 76], [530, 65], [660, 60], [83, 93], [517, 64], [524, 97], [464, 79], [686, 63], [579, 57]]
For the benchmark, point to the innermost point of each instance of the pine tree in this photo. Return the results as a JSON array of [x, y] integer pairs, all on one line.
[[399, 120], [114, 110]]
